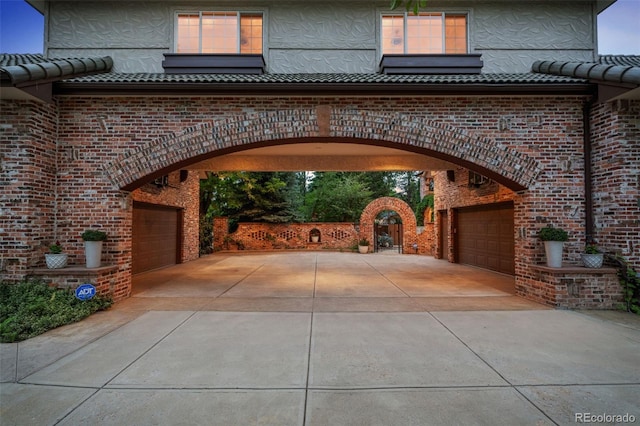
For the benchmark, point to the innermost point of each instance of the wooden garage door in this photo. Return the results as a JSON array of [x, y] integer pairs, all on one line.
[[485, 237], [155, 237]]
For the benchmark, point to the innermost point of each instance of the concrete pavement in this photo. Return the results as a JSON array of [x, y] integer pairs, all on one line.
[[209, 343]]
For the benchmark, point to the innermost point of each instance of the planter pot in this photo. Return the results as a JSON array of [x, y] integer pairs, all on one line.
[[93, 253], [363, 249], [553, 251], [315, 238], [592, 260], [56, 261]]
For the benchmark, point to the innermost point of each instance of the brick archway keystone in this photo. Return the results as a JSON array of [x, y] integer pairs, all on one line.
[[243, 131], [409, 224]]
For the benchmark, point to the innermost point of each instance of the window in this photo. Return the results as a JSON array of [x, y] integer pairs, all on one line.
[[219, 32], [424, 33]]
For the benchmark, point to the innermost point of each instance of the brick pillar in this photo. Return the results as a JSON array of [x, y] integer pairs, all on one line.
[[220, 231]]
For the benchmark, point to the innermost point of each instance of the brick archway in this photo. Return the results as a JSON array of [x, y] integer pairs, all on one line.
[[409, 224], [509, 167]]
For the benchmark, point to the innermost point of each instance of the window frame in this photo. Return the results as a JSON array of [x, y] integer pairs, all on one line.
[[405, 14], [239, 13]]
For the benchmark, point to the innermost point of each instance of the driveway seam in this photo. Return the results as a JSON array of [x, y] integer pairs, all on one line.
[[385, 277], [494, 370], [306, 385]]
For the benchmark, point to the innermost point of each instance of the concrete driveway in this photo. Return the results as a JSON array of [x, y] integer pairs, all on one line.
[[265, 348]]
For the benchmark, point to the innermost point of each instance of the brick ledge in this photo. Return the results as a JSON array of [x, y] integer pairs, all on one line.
[[573, 269], [74, 270]]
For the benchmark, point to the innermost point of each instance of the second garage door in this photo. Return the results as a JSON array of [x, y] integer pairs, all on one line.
[[155, 237], [485, 237]]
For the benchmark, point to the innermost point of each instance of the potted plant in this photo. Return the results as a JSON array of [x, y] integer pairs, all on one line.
[[363, 245], [55, 259], [93, 247], [315, 235], [553, 239], [592, 257]]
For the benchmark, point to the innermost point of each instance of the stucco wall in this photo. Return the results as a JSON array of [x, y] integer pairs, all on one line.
[[313, 37]]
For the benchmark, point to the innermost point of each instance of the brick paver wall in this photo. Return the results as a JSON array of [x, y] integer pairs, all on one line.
[[288, 236], [103, 145]]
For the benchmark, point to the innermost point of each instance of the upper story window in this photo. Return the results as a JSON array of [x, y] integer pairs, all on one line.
[[427, 32], [219, 32]]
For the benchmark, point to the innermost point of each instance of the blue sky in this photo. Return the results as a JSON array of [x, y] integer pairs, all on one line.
[[22, 27]]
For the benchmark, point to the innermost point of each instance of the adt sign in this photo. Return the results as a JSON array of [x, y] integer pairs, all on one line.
[[85, 291]]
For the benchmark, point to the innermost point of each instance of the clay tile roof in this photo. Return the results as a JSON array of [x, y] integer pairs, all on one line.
[[523, 78], [624, 60], [22, 69], [610, 69]]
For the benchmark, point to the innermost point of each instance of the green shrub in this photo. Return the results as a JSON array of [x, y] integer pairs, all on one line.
[[30, 308], [550, 233], [363, 242], [94, 235]]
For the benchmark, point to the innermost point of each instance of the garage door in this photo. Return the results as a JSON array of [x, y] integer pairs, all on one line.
[[155, 237], [485, 237]]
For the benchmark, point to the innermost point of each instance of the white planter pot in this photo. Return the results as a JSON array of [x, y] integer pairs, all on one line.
[[56, 261], [592, 260], [553, 251], [363, 249], [315, 238], [93, 253]]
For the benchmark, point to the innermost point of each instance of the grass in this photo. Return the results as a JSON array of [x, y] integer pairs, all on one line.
[[30, 308]]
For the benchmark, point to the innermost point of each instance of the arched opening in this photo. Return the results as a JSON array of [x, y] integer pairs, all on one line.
[[379, 214], [330, 139], [388, 234]]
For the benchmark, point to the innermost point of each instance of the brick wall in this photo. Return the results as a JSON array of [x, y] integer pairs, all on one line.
[[409, 228], [180, 192], [276, 236], [28, 197], [616, 178], [61, 180], [451, 194]]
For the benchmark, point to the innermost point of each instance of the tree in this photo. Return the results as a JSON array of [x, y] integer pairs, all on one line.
[[252, 196], [336, 197], [410, 5]]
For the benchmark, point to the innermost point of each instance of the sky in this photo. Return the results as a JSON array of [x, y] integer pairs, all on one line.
[[22, 28]]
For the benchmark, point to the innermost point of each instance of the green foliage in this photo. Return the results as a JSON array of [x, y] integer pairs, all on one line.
[[363, 242], [252, 196], [30, 308], [410, 5], [336, 197], [408, 184], [55, 248], [206, 235], [630, 282], [94, 235], [426, 202], [550, 233], [591, 249]]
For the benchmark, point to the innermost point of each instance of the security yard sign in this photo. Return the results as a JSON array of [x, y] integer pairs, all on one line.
[[85, 291]]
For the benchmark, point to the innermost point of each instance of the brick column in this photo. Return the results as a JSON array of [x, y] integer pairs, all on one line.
[[220, 230]]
